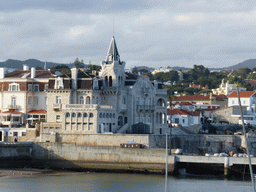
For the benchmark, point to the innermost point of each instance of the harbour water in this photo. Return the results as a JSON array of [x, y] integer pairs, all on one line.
[[111, 182]]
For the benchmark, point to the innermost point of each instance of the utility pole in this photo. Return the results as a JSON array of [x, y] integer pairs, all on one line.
[[170, 126]]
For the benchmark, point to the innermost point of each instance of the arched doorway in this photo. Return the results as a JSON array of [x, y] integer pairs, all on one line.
[[120, 120]]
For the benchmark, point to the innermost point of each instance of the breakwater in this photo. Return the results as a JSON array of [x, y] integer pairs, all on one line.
[[113, 159]]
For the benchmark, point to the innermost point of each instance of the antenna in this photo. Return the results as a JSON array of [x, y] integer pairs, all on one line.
[[113, 26]]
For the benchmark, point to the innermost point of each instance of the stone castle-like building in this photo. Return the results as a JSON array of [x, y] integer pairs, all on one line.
[[107, 102]]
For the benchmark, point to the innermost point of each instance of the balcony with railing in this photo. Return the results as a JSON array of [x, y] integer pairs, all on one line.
[[13, 106], [57, 106], [145, 107], [80, 106], [85, 106]]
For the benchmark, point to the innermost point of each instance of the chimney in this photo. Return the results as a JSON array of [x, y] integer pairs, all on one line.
[[25, 68], [2, 73], [33, 72], [74, 74]]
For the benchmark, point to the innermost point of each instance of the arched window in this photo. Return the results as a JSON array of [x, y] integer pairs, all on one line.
[[100, 115], [110, 81], [88, 100], [67, 114], [161, 102], [104, 115], [93, 100], [79, 115], [106, 81], [114, 115], [107, 115], [120, 121], [91, 114], [85, 114], [73, 115], [81, 100], [110, 115]]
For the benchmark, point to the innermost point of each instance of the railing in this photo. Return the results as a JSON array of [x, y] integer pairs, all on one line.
[[161, 91], [79, 106], [13, 106], [57, 106], [145, 107], [105, 107], [86, 106]]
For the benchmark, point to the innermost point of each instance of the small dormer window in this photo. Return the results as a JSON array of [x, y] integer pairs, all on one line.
[[14, 87], [58, 83], [29, 87], [36, 87]]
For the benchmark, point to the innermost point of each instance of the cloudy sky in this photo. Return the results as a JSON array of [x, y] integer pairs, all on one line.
[[152, 33]]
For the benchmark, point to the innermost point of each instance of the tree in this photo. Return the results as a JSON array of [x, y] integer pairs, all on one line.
[[64, 69], [79, 64], [190, 90], [94, 67]]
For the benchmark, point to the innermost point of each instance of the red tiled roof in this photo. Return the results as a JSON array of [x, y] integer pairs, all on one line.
[[252, 82], [184, 103], [192, 97], [12, 111], [183, 112], [242, 93], [20, 73], [38, 111]]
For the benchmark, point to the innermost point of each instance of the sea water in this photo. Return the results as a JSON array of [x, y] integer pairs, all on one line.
[[111, 182]]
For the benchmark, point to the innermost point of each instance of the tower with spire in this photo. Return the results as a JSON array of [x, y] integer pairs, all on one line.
[[112, 69]]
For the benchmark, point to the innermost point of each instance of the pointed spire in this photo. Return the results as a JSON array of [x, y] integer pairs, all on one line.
[[113, 54]]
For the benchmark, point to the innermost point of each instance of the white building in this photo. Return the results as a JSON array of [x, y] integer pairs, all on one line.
[[248, 103], [109, 102], [22, 99], [183, 117], [226, 88]]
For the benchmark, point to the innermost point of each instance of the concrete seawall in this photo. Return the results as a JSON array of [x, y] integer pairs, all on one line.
[[113, 159], [102, 158]]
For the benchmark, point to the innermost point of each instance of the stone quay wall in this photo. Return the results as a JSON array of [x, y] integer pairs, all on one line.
[[72, 156]]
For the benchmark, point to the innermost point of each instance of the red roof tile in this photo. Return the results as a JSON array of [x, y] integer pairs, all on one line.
[[192, 97], [12, 111], [184, 103], [20, 73], [242, 93], [38, 111], [183, 112]]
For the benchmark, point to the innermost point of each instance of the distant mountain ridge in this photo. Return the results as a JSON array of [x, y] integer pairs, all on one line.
[[17, 64], [250, 63]]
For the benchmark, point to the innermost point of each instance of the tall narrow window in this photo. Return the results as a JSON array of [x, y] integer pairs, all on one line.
[[35, 101], [58, 99], [110, 81], [106, 81], [88, 100], [13, 101], [29, 87], [81, 100]]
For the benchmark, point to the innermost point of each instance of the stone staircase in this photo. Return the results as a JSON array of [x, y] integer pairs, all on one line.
[[123, 129]]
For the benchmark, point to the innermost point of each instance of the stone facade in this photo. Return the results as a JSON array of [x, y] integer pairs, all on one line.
[[108, 103]]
